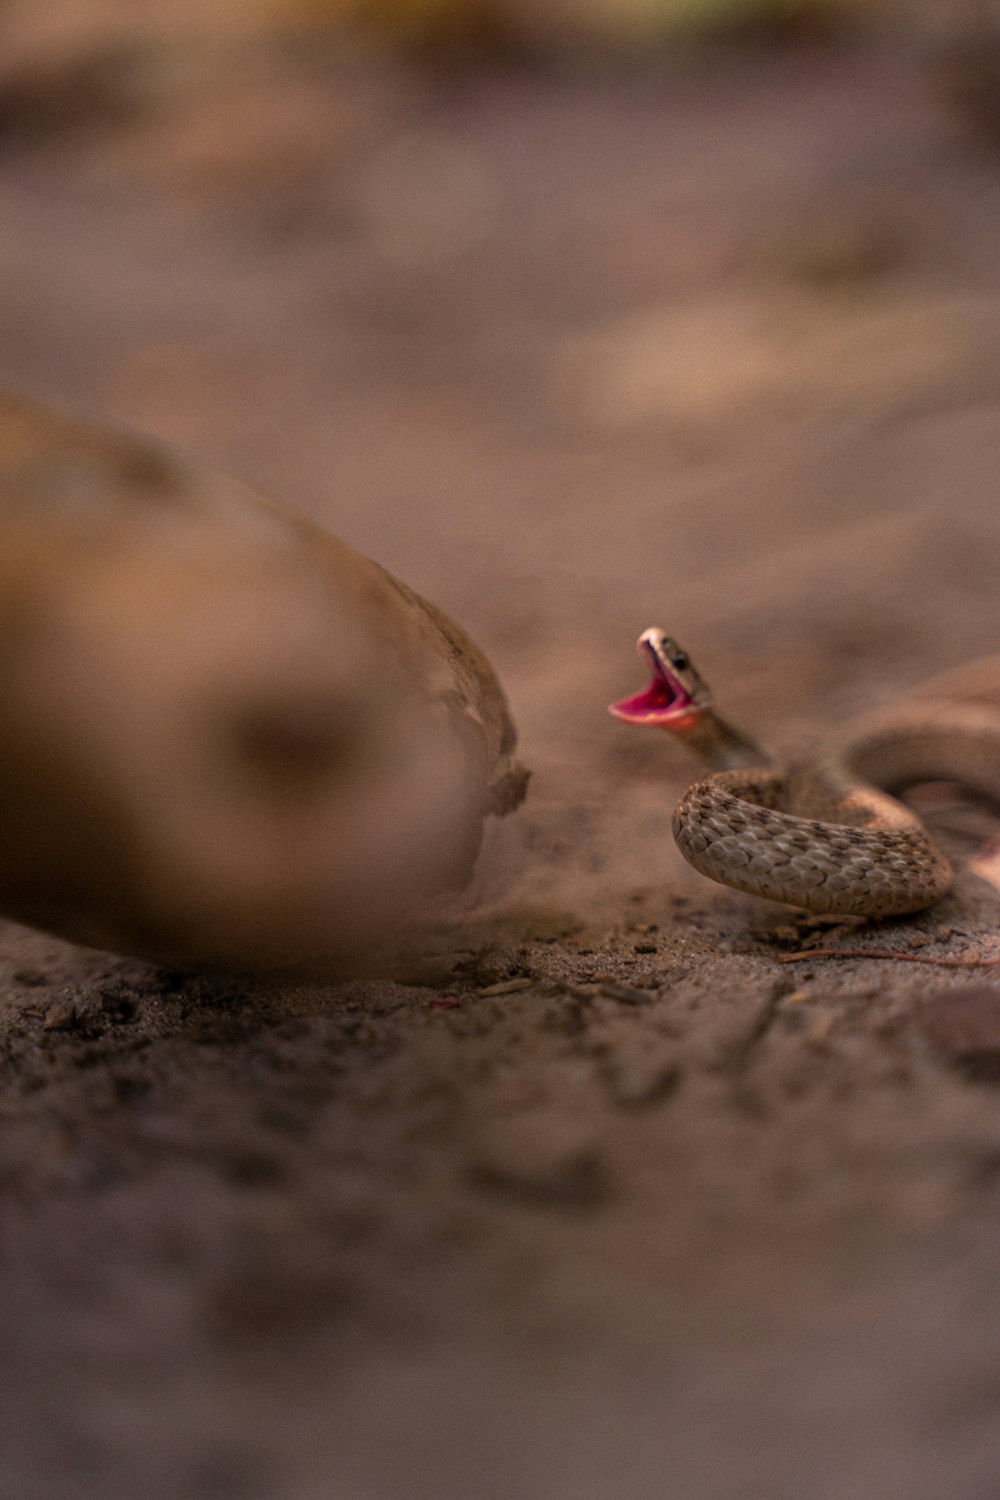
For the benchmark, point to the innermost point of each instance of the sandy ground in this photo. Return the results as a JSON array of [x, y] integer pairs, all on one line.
[[598, 1199]]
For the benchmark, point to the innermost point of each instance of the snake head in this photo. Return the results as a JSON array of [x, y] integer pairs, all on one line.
[[677, 693]]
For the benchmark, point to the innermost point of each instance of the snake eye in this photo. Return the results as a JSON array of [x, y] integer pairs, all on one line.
[[680, 660]]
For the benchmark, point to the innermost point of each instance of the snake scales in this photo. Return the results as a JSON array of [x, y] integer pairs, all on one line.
[[828, 835]]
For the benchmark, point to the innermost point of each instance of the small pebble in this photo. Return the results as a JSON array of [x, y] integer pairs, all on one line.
[[819, 1030], [507, 987], [60, 1017]]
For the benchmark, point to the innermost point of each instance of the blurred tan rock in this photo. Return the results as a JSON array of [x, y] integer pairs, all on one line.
[[725, 360], [228, 739]]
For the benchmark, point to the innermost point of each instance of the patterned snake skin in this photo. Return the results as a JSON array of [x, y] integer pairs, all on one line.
[[732, 828]]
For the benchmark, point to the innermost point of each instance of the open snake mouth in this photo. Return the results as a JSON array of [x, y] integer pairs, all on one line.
[[664, 700]]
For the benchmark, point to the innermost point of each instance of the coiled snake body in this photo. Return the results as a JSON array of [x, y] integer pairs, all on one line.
[[830, 835]]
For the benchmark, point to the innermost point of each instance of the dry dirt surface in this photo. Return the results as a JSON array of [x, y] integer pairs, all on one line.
[[594, 1198]]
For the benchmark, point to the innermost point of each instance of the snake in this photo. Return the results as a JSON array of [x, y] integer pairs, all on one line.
[[830, 834]]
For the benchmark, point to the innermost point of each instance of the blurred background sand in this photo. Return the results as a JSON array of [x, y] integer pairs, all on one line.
[[580, 317]]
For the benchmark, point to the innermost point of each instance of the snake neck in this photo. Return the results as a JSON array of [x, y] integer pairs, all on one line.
[[719, 746]]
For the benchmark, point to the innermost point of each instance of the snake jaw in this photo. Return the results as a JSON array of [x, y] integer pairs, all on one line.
[[676, 693]]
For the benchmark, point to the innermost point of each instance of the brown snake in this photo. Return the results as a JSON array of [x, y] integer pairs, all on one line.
[[828, 835]]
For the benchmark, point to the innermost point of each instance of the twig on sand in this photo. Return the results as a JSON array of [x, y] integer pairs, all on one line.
[[895, 954]]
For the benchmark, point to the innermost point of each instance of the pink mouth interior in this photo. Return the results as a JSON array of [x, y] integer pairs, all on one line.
[[662, 700]]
